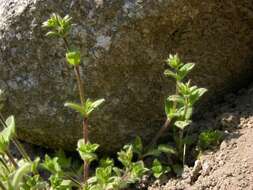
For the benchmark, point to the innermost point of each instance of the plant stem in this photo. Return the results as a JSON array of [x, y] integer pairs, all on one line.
[[160, 132], [73, 180], [12, 160], [165, 125], [80, 84], [86, 138], [3, 161], [85, 119]]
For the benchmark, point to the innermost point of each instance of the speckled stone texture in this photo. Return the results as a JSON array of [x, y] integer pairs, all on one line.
[[127, 42]]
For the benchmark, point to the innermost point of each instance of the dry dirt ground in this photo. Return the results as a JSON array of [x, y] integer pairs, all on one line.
[[230, 166]]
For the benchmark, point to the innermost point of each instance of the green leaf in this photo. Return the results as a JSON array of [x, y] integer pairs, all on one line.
[[184, 88], [196, 94], [137, 145], [87, 108], [170, 73], [7, 134], [184, 70], [52, 164], [52, 34], [76, 107], [125, 156], [137, 171], [35, 164], [176, 98], [63, 160], [209, 138], [91, 106], [158, 169], [167, 149], [174, 62], [182, 124], [73, 58], [105, 162], [19, 174], [58, 183], [58, 26], [153, 152], [170, 111], [103, 174], [87, 151]]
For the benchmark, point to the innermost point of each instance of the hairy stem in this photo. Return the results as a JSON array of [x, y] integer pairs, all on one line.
[[85, 119], [86, 138], [80, 84], [160, 132]]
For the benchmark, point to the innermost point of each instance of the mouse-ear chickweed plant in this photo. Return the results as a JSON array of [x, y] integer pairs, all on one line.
[[106, 177], [179, 107], [60, 27], [25, 173]]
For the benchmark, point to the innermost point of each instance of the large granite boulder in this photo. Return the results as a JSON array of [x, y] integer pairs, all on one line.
[[127, 42]]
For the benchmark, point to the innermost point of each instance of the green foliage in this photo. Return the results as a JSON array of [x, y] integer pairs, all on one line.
[[34, 183], [182, 124], [125, 156], [158, 169], [58, 26], [87, 108], [57, 183], [52, 164], [23, 174], [179, 109], [7, 134], [87, 150], [73, 58], [209, 139]]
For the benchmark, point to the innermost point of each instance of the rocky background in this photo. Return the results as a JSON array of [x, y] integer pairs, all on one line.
[[127, 42]]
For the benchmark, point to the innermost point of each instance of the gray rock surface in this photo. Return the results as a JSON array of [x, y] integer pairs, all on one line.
[[127, 42]]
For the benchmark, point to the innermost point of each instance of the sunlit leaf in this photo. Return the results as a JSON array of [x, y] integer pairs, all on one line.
[[125, 156], [182, 124], [73, 58], [137, 145], [158, 169], [91, 106], [87, 150], [167, 149], [7, 134], [76, 107]]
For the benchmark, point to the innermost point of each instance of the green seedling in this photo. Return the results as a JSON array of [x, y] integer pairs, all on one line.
[[209, 139]]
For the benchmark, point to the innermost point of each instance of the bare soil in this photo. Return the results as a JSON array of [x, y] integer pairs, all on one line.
[[230, 166]]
